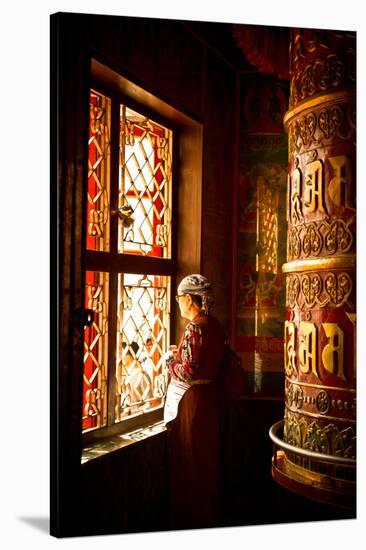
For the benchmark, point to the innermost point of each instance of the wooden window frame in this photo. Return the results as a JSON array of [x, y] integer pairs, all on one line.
[[186, 238]]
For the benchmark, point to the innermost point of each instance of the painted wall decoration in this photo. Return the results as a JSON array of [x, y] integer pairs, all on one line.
[[262, 234]]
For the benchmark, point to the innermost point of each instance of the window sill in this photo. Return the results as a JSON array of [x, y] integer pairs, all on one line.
[[116, 442]]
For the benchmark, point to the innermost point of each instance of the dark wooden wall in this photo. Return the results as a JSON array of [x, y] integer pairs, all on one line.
[[221, 152], [126, 490]]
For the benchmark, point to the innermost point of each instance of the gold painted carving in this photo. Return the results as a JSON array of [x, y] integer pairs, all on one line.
[[320, 76], [307, 41], [338, 288], [331, 72], [296, 209], [331, 122], [328, 439], [316, 438], [293, 243], [320, 127], [323, 402], [324, 236], [318, 289], [307, 126], [332, 355], [313, 195], [292, 430], [292, 291], [311, 287], [339, 187], [289, 348], [313, 242], [308, 348], [338, 237], [352, 318], [294, 396], [345, 443]]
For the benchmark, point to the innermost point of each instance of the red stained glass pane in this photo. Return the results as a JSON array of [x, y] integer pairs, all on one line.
[[94, 413], [97, 230]]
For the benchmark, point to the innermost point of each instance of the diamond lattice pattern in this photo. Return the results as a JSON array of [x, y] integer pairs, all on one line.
[[143, 321], [145, 186]]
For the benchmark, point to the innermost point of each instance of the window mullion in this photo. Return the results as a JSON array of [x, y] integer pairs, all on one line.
[[113, 296]]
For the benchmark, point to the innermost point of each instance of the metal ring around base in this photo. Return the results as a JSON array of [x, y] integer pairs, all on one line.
[[321, 457]]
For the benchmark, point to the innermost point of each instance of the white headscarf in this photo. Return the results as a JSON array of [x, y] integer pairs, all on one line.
[[198, 285]]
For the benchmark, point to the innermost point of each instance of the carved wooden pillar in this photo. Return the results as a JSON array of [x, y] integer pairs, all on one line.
[[319, 333]]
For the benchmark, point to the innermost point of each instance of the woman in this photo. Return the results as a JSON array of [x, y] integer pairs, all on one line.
[[191, 410]]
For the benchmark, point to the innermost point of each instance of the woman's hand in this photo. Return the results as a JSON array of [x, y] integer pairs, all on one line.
[[173, 349], [172, 353]]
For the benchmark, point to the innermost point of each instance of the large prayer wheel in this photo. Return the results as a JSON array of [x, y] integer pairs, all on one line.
[[318, 443]]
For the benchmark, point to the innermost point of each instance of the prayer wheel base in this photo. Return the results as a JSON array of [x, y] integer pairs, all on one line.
[[322, 488]]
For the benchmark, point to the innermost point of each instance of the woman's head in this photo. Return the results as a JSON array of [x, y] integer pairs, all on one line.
[[194, 294]]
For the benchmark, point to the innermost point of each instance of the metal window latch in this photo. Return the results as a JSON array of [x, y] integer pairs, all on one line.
[[84, 317], [125, 215]]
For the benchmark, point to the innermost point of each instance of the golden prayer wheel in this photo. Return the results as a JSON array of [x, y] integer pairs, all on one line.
[[318, 444]]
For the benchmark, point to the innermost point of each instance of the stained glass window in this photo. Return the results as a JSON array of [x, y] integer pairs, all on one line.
[[145, 174], [95, 351], [127, 278], [143, 335], [98, 173]]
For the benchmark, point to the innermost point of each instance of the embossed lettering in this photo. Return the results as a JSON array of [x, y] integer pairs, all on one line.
[[352, 318], [339, 187], [296, 212], [307, 348], [314, 187], [332, 354], [290, 352]]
